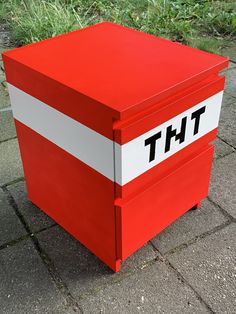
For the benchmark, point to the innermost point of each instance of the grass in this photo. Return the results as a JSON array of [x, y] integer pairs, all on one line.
[[205, 24]]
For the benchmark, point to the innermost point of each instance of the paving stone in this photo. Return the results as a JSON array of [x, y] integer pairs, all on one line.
[[26, 286], [7, 126], [2, 71], [227, 128], [227, 125], [221, 148], [223, 183], [79, 268], [191, 224], [227, 99], [230, 66], [2, 74], [209, 267], [10, 225], [230, 52], [34, 217], [2, 49], [4, 97], [10, 165], [154, 289], [230, 85]]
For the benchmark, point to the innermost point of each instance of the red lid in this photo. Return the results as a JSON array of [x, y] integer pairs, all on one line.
[[121, 68]]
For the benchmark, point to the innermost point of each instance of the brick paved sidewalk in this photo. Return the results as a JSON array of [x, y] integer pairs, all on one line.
[[189, 268]]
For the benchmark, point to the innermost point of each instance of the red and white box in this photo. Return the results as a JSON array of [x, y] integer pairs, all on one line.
[[114, 127]]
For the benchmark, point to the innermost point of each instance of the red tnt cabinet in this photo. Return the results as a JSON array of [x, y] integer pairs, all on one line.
[[114, 127]]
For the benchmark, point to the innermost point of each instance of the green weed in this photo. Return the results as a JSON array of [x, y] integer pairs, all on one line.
[[205, 24]]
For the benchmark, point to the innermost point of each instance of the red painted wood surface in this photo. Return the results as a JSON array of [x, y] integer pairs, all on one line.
[[149, 212]]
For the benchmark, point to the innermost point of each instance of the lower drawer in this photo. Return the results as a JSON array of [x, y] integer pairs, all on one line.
[[145, 215]]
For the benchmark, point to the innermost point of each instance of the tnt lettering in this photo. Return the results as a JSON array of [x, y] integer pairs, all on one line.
[[172, 135]]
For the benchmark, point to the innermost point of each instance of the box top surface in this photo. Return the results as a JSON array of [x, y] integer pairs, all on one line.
[[118, 66]]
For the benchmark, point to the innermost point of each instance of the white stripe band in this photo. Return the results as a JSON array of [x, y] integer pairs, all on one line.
[[77, 139], [131, 159]]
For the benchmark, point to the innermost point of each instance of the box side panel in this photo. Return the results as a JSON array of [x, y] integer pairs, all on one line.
[[76, 196], [145, 215]]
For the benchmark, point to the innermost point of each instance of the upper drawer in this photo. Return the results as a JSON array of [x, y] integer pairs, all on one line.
[[129, 129], [166, 135]]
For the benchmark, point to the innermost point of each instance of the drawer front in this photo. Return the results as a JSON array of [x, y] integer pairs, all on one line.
[[142, 217]]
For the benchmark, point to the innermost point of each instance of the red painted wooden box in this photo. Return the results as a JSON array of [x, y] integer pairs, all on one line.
[[114, 127]]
